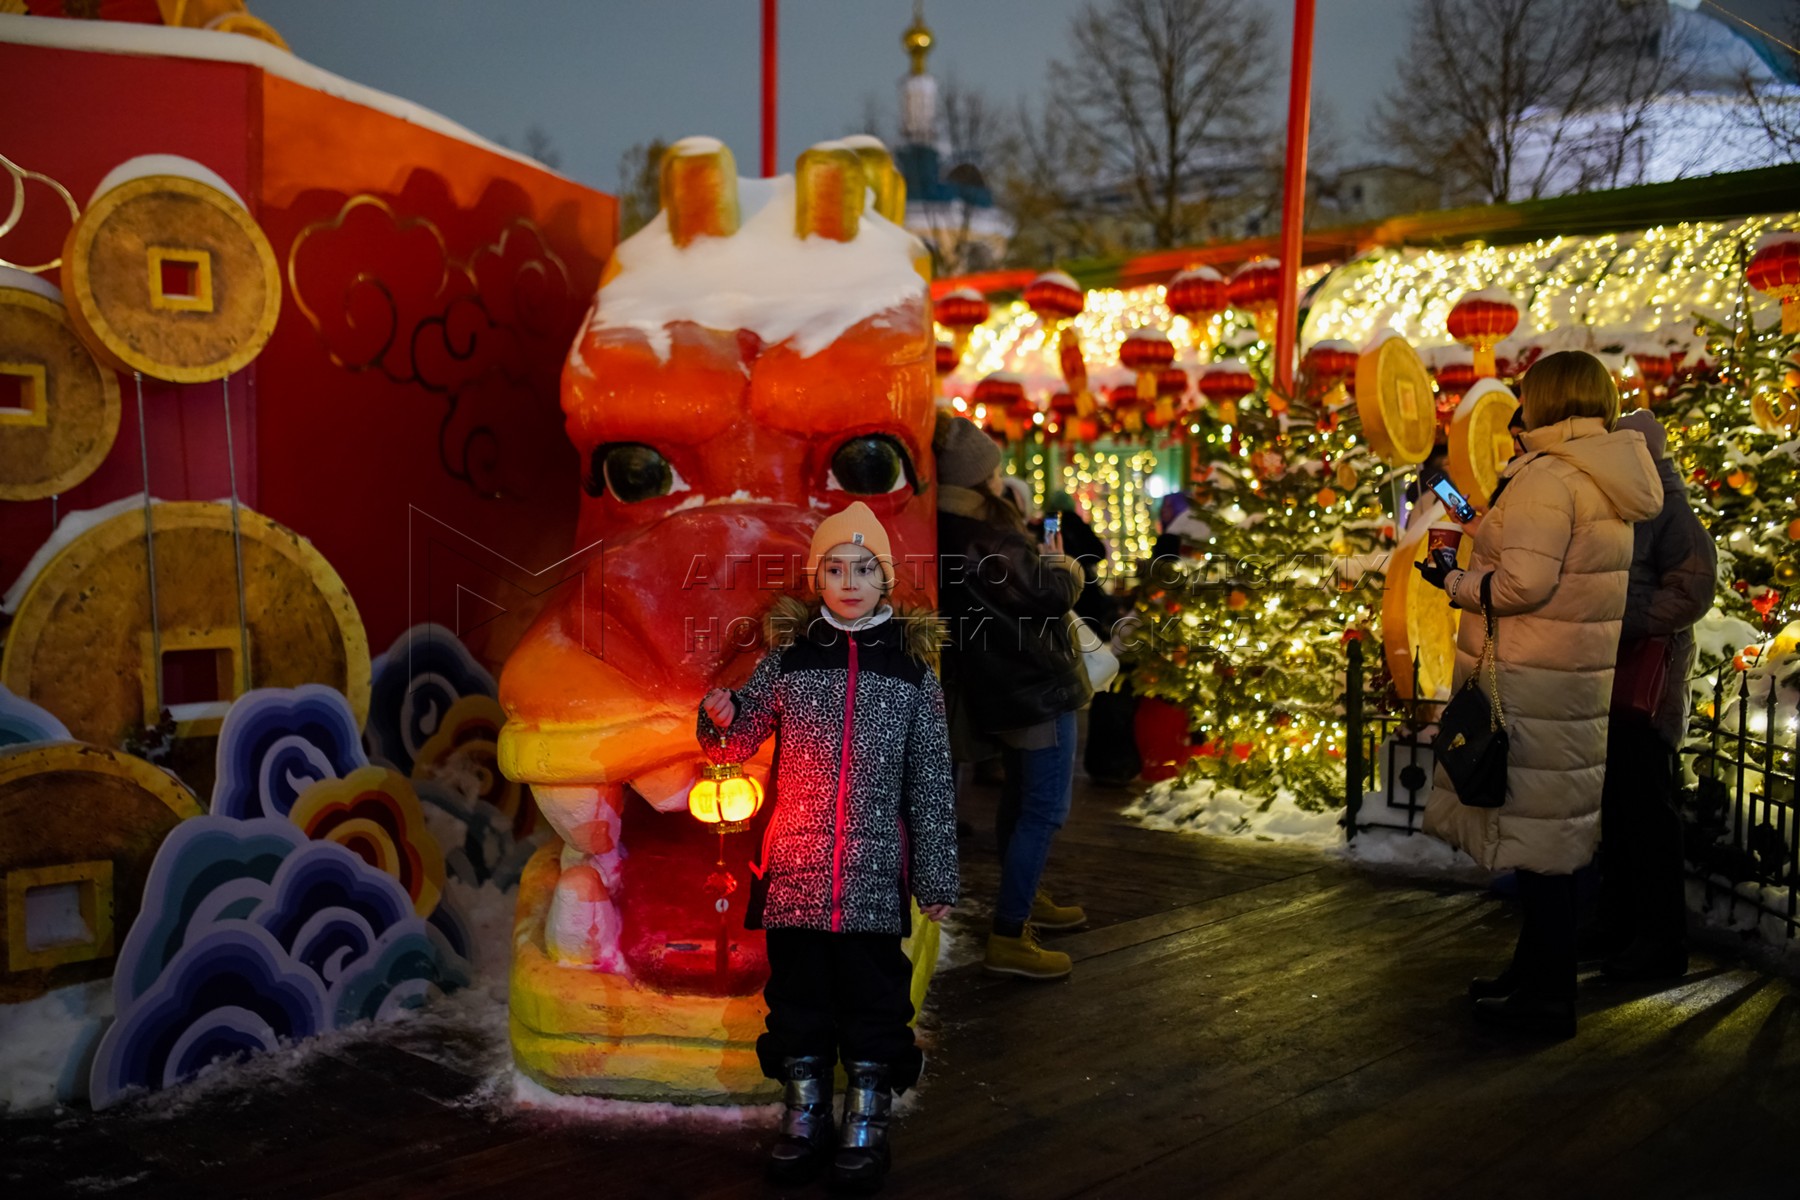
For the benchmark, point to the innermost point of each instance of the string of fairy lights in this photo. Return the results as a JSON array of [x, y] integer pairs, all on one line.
[[1609, 284]]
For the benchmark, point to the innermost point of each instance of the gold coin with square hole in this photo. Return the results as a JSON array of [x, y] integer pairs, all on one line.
[[171, 277], [59, 407]]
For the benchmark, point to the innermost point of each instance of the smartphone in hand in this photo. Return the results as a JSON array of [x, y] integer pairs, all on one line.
[[1455, 502], [1052, 526]]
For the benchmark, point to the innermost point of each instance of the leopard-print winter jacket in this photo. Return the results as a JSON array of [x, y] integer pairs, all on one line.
[[858, 822]]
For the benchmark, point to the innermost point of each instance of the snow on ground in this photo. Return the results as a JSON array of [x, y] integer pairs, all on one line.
[[47, 1043], [1760, 935], [1205, 807]]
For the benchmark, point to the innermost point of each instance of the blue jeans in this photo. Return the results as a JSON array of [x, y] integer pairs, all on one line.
[[1034, 803]]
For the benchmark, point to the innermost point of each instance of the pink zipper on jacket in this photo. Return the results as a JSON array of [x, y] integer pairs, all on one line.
[[843, 789]]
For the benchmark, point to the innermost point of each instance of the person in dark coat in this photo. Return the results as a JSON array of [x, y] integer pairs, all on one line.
[[863, 822], [1016, 677], [1641, 932]]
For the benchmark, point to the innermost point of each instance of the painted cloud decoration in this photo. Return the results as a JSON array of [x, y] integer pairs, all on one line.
[[276, 742], [413, 687]]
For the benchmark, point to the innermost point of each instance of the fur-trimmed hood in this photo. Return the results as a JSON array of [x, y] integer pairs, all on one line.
[[921, 631]]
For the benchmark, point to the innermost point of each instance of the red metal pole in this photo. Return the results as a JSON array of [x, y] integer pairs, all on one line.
[[1293, 196], [768, 88]]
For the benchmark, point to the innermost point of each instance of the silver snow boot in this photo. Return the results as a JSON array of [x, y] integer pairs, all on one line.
[[862, 1157], [805, 1139]]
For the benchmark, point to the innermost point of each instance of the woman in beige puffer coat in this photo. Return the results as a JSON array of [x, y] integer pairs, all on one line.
[[1555, 552]]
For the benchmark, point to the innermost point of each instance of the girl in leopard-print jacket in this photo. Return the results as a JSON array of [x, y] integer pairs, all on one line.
[[863, 819]]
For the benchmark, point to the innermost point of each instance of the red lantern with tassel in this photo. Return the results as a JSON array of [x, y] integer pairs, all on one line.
[[1774, 270], [1332, 365], [1479, 320], [1197, 295], [1126, 409], [1224, 384], [997, 393], [1056, 300], [1255, 288], [1454, 375], [1021, 419], [947, 358], [1062, 418], [1171, 396], [960, 312], [1055, 296], [1146, 351]]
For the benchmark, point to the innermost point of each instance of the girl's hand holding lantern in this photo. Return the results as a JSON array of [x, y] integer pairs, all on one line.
[[720, 707]]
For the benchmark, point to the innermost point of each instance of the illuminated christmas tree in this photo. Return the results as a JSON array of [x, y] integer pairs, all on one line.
[[1734, 430], [1250, 635]]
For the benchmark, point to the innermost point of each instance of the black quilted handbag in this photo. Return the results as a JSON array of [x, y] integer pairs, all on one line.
[[1472, 741]]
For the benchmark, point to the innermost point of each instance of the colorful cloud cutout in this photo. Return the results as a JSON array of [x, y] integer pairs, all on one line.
[[414, 685], [276, 742], [375, 813]]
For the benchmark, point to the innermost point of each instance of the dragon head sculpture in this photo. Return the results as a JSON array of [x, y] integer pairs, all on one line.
[[757, 357]]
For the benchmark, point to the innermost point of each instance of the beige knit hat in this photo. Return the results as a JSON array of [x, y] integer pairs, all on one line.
[[854, 526]]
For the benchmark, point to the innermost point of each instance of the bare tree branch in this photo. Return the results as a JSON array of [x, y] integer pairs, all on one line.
[[1516, 99]]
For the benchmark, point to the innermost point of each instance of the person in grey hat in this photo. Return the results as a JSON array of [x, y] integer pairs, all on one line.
[[1013, 675]]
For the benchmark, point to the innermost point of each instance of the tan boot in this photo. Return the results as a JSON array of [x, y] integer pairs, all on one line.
[[1048, 914], [1022, 956]]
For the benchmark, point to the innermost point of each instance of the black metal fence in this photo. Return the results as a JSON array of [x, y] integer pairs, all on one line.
[[1382, 754], [1740, 815]]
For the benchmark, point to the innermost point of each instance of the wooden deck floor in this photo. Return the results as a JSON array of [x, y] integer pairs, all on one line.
[[1244, 1021]]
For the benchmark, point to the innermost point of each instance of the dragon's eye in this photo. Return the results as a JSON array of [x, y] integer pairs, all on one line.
[[871, 465], [631, 471]]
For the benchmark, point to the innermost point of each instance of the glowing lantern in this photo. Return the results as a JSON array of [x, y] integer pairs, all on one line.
[[1332, 365], [999, 394], [1454, 376], [1775, 270], [1255, 288], [725, 797], [1127, 410], [1225, 383], [1056, 299], [960, 312], [1063, 418], [1055, 296], [1146, 351], [1197, 295], [1171, 392], [947, 358], [1481, 319]]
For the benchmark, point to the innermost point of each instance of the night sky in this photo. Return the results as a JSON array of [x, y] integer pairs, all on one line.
[[600, 75]]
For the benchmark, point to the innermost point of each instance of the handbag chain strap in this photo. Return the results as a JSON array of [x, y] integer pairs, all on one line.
[[1496, 714]]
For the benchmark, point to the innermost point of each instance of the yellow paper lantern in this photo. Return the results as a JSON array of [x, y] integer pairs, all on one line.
[[725, 797]]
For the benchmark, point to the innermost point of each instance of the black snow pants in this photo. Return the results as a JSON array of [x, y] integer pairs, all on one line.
[[839, 994]]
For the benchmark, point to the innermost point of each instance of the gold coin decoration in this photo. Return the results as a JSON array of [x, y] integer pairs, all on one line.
[[1418, 621], [59, 412], [81, 643], [171, 277], [1396, 403], [1480, 443], [86, 820]]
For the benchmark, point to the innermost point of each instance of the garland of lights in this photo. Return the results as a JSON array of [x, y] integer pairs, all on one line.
[[1260, 669]]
